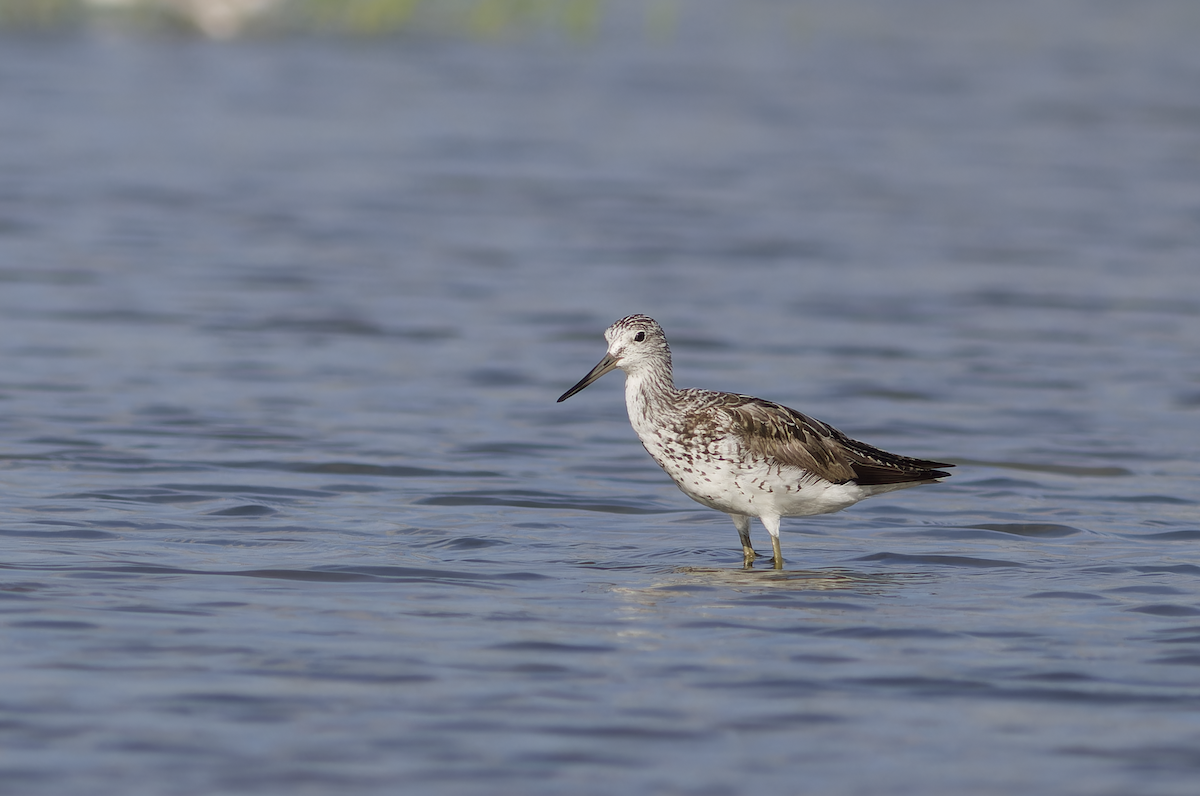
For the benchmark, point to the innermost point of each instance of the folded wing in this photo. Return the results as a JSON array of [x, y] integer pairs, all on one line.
[[790, 438]]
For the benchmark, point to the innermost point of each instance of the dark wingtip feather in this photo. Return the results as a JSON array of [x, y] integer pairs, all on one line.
[[871, 475]]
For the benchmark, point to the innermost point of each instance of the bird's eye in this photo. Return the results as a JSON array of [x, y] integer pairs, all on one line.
[[639, 337]]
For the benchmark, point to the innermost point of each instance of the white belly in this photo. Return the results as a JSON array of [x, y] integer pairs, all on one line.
[[724, 477]]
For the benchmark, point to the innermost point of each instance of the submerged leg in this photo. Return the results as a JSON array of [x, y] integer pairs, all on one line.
[[772, 525], [742, 523]]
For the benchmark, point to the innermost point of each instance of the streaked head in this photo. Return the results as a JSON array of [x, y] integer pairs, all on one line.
[[634, 342]]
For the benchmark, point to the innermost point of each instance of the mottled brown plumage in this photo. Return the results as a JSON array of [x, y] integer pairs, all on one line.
[[742, 455], [792, 438]]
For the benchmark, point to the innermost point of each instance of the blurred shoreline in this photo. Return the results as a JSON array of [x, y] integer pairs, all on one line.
[[1026, 23], [225, 19]]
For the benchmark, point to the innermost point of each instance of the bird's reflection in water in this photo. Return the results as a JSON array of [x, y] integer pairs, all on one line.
[[684, 579]]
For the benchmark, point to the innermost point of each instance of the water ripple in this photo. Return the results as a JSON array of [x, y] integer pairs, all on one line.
[[940, 560], [531, 499], [288, 505]]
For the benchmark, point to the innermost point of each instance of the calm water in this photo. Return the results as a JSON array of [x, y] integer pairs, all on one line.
[[287, 505]]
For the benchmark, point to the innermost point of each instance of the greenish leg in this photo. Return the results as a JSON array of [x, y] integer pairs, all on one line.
[[772, 526], [742, 523]]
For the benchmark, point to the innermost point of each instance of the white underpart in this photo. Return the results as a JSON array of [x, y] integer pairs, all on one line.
[[720, 473]]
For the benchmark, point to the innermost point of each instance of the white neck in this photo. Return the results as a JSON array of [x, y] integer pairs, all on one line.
[[646, 389]]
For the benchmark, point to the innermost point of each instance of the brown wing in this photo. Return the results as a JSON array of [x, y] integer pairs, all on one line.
[[790, 438]]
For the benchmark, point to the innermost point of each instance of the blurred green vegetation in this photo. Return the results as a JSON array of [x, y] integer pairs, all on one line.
[[485, 18], [477, 18], [39, 13]]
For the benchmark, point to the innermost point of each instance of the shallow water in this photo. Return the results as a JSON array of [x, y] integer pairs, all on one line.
[[287, 504]]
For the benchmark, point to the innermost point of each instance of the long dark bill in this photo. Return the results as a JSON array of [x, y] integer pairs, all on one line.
[[608, 363]]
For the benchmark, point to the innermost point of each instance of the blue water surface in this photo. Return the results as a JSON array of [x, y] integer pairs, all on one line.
[[287, 504]]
